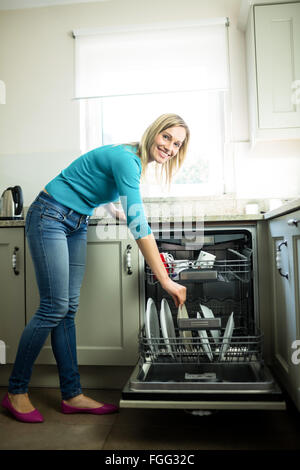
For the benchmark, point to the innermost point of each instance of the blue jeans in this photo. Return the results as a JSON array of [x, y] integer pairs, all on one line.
[[57, 238]]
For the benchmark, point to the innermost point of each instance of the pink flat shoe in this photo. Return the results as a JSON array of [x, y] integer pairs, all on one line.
[[101, 410], [31, 417]]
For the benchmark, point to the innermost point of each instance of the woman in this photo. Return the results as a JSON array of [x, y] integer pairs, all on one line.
[[56, 229]]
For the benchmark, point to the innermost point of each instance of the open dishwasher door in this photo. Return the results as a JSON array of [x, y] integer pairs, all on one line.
[[187, 380], [210, 357]]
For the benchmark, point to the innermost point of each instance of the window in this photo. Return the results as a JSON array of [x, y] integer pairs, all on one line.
[[118, 111]]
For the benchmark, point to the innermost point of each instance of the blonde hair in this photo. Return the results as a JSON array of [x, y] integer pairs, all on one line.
[[168, 169]]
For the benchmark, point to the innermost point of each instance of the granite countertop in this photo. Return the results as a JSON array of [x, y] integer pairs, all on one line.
[[229, 215], [94, 220], [290, 206], [12, 223]]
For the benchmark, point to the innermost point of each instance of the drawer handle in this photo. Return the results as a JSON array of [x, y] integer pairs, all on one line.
[[293, 222], [278, 259], [128, 259], [14, 261]]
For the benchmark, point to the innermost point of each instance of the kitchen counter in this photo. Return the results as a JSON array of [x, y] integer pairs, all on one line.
[[95, 220], [102, 217], [12, 223], [290, 206]]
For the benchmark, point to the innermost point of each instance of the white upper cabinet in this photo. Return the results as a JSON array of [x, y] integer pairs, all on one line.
[[273, 61]]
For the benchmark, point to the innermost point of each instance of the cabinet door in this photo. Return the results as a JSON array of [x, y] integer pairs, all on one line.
[[12, 298], [108, 317], [277, 42], [107, 321], [285, 305]]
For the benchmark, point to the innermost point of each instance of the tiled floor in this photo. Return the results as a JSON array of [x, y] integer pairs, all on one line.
[[138, 429]]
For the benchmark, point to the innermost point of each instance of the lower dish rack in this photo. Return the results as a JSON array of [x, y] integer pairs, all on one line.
[[189, 347], [184, 364]]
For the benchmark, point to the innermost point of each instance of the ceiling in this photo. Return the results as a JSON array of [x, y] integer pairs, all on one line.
[[19, 4]]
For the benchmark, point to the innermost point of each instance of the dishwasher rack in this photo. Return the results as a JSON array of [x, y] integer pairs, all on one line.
[[188, 347], [235, 266]]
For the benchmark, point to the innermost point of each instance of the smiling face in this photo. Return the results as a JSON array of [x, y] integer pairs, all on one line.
[[166, 144]]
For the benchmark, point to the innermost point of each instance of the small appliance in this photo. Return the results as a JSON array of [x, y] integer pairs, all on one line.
[[11, 203]]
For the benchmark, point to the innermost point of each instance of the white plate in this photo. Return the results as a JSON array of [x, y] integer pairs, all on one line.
[[152, 325], [208, 313], [187, 334], [227, 337], [167, 326], [205, 341]]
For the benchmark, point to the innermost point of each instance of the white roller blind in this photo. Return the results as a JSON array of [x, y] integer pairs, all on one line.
[[151, 60]]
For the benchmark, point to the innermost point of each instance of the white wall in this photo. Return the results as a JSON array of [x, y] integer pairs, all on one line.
[[39, 125]]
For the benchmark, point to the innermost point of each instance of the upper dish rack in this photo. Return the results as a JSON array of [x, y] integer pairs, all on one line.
[[236, 266]]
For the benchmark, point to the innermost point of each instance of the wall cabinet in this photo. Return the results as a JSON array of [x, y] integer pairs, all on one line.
[[12, 293], [285, 246], [273, 67], [107, 321]]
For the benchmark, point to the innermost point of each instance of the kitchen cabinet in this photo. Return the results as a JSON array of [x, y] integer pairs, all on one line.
[[284, 235], [107, 321], [273, 68], [12, 281]]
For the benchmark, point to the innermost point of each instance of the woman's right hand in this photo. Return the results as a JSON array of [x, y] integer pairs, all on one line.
[[177, 291]]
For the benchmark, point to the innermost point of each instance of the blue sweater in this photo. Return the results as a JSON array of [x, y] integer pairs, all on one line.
[[102, 176]]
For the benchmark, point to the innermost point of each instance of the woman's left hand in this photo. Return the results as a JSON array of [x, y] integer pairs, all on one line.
[[120, 216], [116, 213]]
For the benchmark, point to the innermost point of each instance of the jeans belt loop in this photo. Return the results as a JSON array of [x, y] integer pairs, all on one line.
[[81, 218]]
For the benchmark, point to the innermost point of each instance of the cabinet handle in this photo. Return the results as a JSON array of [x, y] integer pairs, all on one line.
[[278, 259], [128, 259], [294, 222], [14, 261]]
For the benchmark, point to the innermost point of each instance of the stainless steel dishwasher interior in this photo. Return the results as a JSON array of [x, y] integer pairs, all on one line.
[[196, 363], [202, 377]]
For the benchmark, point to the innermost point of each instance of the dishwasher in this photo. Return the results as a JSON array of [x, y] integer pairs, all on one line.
[[207, 355]]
